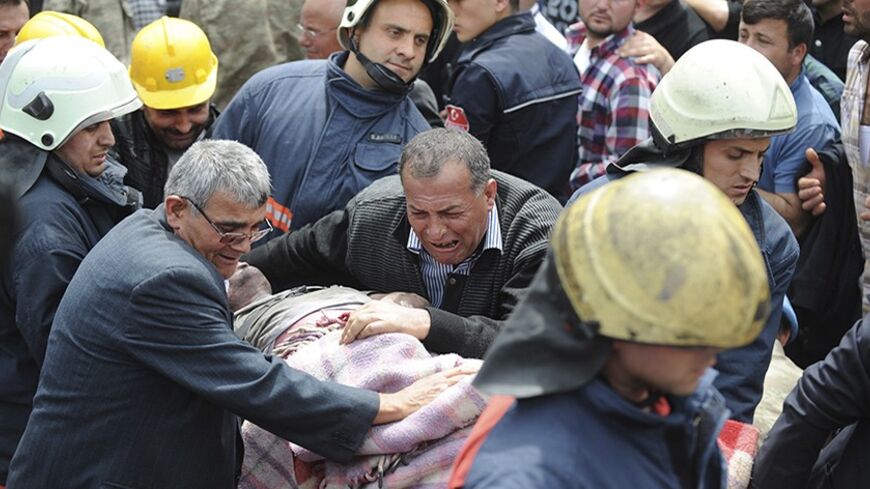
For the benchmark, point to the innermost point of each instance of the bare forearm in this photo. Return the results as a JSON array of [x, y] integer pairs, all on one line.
[[789, 207], [714, 12]]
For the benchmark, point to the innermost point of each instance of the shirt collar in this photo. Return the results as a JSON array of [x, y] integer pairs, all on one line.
[[612, 42], [576, 34], [491, 240]]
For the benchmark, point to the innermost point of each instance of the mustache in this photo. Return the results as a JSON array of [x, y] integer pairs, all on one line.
[[193, 130]]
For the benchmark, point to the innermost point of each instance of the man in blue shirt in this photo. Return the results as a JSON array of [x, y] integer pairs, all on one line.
[[782, 30]]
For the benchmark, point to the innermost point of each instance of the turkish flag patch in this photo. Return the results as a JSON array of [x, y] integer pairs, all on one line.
[[456, 118]]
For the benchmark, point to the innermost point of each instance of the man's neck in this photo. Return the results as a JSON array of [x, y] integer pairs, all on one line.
[[624, 385], [793, 75], [593, 41], [358, 73]]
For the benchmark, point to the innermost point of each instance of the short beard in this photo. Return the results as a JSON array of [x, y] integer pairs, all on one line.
[[860, 26]]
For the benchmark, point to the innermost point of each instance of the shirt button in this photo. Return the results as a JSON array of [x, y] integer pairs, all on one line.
[[451, 281], [818, 43]]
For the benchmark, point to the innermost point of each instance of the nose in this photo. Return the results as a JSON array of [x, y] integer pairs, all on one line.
[[406, 47], [243, 246], [750, 167], [183, 123], [436, 230], [106, 137]]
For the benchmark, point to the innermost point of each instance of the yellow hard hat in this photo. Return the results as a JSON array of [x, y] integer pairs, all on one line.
[[663, 257], [172, 65], [50, 23]]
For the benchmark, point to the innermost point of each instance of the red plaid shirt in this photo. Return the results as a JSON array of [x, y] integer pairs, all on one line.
[[614, 108]]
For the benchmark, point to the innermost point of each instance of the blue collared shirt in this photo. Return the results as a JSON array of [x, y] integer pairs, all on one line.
[[816, 128], [435, 274]]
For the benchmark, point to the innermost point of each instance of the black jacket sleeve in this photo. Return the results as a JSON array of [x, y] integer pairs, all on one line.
[[313, 255], [831, 394]]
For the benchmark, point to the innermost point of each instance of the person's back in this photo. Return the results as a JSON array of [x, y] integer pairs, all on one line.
[[622, 446], [524, 113]]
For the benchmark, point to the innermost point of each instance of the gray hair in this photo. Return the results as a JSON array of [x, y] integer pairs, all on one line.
[[216, 165], [427, 153]]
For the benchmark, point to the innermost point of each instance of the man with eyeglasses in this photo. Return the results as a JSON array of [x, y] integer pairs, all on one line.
[[317, 25], [327, 129], [144, 381]]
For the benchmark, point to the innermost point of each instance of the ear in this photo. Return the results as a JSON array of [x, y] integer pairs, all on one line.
[[176, 208], [798, 53], [502, 6], [490, 191]]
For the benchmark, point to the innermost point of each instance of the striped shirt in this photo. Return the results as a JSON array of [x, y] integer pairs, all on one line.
[[435, 274], [851, 108], [614, 108]]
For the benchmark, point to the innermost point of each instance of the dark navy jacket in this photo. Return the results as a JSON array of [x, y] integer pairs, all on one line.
[[519, 93], [57, 232], [832, 394], [322, 135], [591, 438]]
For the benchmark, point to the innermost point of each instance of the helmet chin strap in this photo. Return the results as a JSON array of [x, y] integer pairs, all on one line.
[[383, 76]]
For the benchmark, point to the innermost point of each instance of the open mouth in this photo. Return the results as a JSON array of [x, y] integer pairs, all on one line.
[[446, 246]]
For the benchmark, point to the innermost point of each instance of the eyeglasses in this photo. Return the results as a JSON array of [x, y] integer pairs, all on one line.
[[234, 239], [311, 33]]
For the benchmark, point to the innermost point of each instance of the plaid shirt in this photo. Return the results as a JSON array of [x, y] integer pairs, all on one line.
[[851, 107], [614, 107]]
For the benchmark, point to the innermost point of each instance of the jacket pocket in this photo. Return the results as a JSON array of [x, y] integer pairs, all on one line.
[[377, 159]]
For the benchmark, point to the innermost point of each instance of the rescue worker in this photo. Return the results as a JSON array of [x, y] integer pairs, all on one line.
[[714, 114], [327, 129], [174, 72], [50, 23], [609, 355], [57, 96]]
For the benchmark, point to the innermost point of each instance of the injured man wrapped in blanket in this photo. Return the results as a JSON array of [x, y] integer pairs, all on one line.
[[303, 326]]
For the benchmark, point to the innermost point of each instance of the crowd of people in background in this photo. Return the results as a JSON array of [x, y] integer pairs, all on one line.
[[434, 243]]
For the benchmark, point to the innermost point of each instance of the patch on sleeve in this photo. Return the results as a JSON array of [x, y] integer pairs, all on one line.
[[456, 118]]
